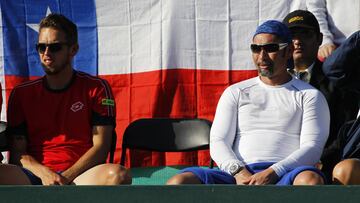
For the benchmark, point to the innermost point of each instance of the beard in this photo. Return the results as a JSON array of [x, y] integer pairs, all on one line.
[[54, 70], [266, 72]]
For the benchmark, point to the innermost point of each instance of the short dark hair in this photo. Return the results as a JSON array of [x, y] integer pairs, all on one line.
[[61, 23]]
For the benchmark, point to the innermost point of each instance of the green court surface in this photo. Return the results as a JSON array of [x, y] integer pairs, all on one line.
[[154, 175]]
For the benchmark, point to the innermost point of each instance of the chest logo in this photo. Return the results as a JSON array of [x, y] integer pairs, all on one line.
[[77, 106]]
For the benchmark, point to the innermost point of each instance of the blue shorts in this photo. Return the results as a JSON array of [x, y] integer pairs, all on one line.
[[33, 178], [215, 176]]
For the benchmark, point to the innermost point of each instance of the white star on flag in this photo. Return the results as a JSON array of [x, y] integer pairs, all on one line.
[[34, 26]]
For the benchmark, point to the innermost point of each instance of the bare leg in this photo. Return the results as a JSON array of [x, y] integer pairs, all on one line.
[[308, 178], [184, 178], [347, 172], [13, 175], [104, 174]]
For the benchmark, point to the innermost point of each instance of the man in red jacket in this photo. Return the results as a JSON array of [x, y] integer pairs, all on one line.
[[60, 126]]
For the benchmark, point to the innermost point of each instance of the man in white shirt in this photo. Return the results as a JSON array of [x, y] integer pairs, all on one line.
[[270, 129]]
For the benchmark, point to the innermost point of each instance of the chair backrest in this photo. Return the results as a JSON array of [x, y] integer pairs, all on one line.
[[3, 140], [166, 135]]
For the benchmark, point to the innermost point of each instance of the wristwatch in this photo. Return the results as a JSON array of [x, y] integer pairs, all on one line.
[[235, 168]]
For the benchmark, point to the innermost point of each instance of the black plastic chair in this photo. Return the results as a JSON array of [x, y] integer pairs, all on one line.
[[167, 135]]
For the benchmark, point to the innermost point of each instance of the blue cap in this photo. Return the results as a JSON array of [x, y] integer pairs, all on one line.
[[276, 28]]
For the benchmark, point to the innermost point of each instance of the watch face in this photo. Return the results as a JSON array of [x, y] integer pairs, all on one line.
[[234, 168]]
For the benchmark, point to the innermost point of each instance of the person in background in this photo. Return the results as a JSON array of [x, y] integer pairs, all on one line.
[[307, 38], [270, 129], [337, 19], [342, 69], [60, 126]]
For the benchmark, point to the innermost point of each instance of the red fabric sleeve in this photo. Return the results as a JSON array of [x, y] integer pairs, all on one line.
[[104, 103]]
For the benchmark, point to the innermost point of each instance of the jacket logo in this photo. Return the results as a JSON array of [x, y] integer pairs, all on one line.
[[77, 106]]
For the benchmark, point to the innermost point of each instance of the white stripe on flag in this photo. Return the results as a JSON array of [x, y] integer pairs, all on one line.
[[129, 34], [144, 35]]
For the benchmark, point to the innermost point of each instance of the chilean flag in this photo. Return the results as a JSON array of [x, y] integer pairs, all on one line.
[[163, 58]]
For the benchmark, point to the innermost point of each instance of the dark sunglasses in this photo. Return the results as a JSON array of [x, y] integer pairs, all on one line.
[[269, 48], [53, 47]]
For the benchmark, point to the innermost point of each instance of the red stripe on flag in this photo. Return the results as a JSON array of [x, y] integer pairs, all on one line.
[[169, 93]]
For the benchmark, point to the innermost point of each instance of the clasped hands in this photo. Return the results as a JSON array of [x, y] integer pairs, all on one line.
[[50, 177], [265, 177]]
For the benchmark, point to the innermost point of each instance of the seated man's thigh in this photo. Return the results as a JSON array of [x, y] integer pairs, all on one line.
[[13, 175], [302, 175], [104, 174], [210, 176], [184, 178]]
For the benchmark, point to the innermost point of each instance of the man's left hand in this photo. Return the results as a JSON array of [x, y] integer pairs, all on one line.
[[265, 177]]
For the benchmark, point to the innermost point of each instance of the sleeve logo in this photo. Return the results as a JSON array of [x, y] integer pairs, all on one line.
[[108, 102]]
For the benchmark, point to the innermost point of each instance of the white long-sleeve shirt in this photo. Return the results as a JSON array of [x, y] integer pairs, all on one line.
[[255, 122], [337, 19]]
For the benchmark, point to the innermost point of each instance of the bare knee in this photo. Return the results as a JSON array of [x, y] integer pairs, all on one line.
[[347, 172], [117, 174], [184, 178], [308, 178]]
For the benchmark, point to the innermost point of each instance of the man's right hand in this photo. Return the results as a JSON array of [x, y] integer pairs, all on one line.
[[325, 50], [49, 177], [243, 177]]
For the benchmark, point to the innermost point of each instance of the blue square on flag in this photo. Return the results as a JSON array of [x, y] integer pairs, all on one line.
[[20, 21]]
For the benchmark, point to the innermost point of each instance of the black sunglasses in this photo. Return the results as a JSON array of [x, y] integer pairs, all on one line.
[[53, 47], [269, 48]]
